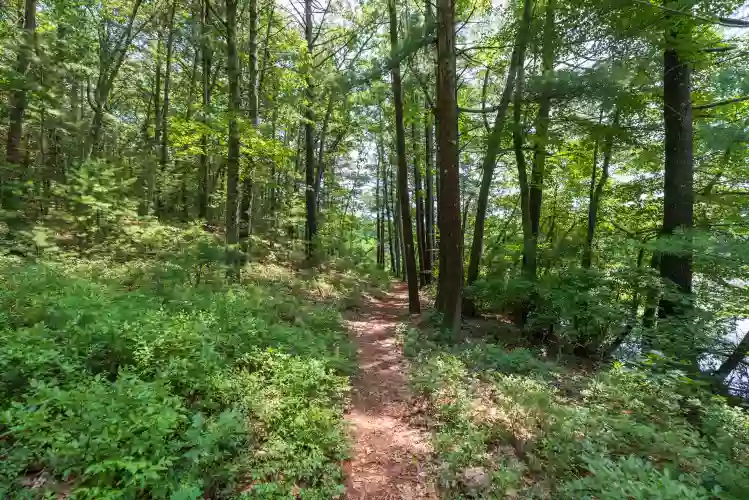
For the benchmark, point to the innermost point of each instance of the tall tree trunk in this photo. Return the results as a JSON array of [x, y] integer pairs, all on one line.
[[17, 101], [398, 271], [379, 222], [309, 140], [596, 191], [233, 73], [400, 146], [158, 123], [451, 270], [540, 140], [15, 171], [517, 140], [206, 61], [164, 152], [490, 160], [678, 188], [429, 206], [254, 115], [419, 195], [386, 194]]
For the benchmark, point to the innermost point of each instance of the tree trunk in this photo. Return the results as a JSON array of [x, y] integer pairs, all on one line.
[[379, 222], [397, 224], [596, 191], [164, 151], [253, 98], [17, 101], [490, 160], [678, 188], [204, 168], [387, 202], [110, 62], [419, 195], [517, 140], [429, 206], [309, 141], [541, 138], [15, 171], [451, 273], [733, 360], [232, 161], [400, 145]]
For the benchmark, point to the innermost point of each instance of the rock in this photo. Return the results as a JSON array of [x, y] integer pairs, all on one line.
[[476, 478]]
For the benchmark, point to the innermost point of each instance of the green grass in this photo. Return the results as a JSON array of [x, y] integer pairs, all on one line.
[[537, 430], [152, 378]]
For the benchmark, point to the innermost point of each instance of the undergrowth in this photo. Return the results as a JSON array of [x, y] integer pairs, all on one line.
[[507, 424], [146, 375]]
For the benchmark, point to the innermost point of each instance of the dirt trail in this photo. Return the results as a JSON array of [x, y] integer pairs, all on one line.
[[390, 455]]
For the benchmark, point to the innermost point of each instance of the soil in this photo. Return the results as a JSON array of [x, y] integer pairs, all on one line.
[[391, 456]]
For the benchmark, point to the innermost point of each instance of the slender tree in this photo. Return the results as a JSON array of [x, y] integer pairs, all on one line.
[[309, 137], [493, 144], [429, 195], [17, 104], [451, 259], [538, 169], [232, 161], [419, 195]]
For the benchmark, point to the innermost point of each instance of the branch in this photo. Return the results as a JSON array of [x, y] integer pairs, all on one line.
[[216, 14], [483, 110], [724, 21], [322, 21], [406, 51], [722, 103]]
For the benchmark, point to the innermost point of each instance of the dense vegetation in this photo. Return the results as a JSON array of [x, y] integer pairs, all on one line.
[[187, 186], [155, 378]]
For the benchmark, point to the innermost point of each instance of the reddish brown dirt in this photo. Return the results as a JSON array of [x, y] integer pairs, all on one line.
[[390, 456]]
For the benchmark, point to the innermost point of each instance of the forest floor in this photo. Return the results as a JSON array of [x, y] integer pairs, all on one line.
[[390, 455]]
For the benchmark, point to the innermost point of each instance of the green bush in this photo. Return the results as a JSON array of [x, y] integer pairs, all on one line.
[[136, 381], [538, 431]]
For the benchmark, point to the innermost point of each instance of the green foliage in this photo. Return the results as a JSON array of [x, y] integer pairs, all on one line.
[[125, 381], [537, 430]]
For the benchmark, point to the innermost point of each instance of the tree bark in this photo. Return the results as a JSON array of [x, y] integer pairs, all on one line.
[[309, 140], [429, 206], [517, 140], [254, 115], [204, 167], [378, 212], [232, 162], [17, 103], [733, 360], [451, 272], [678, 188], [164, 151], [540, 140], [387, 202], [596, 191], [419, 195], [409, 256], [490, 160]]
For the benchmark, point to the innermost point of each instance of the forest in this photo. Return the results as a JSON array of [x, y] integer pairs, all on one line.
[[243, 240]]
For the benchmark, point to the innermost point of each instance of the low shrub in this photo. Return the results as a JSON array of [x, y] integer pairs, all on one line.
[[533, 430], [138, 381]]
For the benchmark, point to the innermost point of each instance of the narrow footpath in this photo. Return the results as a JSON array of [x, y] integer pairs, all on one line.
[[390, 456]]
